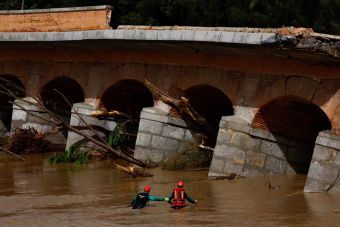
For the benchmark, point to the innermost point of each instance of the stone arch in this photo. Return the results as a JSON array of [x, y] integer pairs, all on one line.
[[295, 118], [128, 96], [211, 103], [15, 85], [54, 101]]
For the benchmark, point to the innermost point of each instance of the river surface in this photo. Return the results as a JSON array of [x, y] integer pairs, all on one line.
[[40, 194]]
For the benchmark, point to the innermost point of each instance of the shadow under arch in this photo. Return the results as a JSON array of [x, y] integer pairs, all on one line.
[[13, 84], [54, 101], [295, 118], [211, 103], [130, 97]]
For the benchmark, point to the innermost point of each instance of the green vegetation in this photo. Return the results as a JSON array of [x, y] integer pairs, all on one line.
[[74, 154], [81, 153], [321, 15]]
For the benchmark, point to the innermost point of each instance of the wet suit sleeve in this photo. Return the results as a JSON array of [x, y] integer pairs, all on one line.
[[189, 198], [171, 196], [154, 198]]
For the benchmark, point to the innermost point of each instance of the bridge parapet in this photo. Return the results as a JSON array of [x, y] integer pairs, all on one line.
[[56, 19]]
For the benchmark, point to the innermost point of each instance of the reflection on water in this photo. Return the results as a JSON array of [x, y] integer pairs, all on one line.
[[38, 193]]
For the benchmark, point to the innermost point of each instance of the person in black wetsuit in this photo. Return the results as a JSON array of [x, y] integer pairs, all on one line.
[[142, 199]]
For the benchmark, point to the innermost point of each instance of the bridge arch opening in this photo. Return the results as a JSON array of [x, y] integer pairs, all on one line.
[[130, 97], [14, 85], [297, 119], [211, 103], [55, 102], [127, 96]]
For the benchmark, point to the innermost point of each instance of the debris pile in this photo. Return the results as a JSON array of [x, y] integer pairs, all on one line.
[[25, 141]]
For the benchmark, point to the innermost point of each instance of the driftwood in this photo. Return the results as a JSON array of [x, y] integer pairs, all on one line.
[[27, 141], [113, 114], [61, 125], [133, 171], [186, 111]]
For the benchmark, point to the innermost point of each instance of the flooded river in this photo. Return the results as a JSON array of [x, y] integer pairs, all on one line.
[[40, 194]]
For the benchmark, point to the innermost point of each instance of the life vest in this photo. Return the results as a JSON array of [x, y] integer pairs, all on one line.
[[140, 201], [178, 199]]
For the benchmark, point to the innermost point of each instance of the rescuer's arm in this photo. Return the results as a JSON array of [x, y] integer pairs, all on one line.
[[189, 198], [154, 198], [170, 197]]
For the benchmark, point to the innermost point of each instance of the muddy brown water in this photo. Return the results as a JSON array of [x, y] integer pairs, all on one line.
[[40, 194]]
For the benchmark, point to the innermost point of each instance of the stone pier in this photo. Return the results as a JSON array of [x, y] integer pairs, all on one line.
[[81, 112], [160, 135], [324, 170], [24, 120], [247, 151]]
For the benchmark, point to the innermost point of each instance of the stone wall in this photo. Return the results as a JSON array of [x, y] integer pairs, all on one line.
[[160, 136], [247, 151], [324, 171], [23, 120], [81, 113], [56, 20]]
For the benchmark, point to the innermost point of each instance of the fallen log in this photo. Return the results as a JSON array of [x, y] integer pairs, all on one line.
[[133, 171]]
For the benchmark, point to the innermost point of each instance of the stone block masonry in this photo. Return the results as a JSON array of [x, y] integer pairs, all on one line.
[[247, 151], [24, 120], [82, 112], [160, 135], [324, 171]]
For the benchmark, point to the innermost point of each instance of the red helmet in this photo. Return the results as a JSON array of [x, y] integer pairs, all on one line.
[[180, 184], [147, 188]]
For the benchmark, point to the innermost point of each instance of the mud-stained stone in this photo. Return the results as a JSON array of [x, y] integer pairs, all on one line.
[[152, 127], [164, 143], [230, 153], [245, 142], [273, 149], [223, 136], [217, 165], [173, 132], [337, 159], [252, 172], [335, 187], [232, 167], [155, 156], [322, 153], [143, 140], [141, 153], [259, 133], [275, 165], [154, 116], [255, 159], [324, 173], [313, 185]]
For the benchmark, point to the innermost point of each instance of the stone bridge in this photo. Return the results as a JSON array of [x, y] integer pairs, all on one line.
[[274, 99]]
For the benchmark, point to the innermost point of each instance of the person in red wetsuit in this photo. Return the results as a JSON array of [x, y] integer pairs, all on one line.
[[178, 196]]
